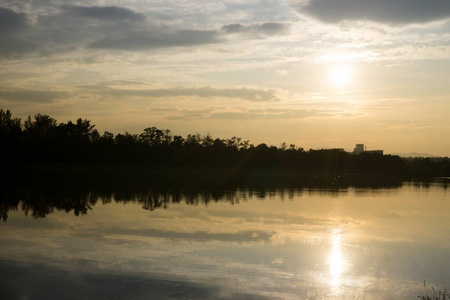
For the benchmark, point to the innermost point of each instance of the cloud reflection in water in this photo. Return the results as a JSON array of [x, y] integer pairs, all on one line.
[[376, 244]]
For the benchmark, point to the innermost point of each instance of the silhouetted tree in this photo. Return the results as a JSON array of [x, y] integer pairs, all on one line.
[[152, 136], [10, 128], [42, 127], [43, 139]]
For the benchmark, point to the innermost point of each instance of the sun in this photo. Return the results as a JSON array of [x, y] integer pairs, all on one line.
[[340, 75]]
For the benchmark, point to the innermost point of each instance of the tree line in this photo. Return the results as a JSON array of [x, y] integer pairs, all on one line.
[[43, 139]]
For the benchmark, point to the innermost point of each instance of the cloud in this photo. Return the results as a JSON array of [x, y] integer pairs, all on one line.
[[64, 29], [248, 94], [12, 26], [281, 72], [186, 114], [11, 47], [35, 96], [157, 39], [249, 114], [265, 29], [166, 38], [106, 28], [11, 21], [383, 11], [110, 13], [273, 114]]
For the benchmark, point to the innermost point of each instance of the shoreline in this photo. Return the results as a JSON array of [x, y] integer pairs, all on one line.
[[198, 177]]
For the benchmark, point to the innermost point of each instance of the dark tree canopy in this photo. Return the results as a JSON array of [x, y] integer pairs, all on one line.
[[43, 139]]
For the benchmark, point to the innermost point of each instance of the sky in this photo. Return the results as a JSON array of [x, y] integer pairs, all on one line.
[[317, 73]]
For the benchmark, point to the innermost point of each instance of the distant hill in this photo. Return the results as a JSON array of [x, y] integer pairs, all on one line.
[[415, 154]]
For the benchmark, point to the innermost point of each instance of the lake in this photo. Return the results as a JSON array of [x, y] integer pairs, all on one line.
[[348, 242]]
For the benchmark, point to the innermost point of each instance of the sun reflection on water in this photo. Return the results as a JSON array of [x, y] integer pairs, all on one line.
[[335, 260]]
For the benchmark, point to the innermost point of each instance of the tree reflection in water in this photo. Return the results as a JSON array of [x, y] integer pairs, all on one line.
[[39, 196]]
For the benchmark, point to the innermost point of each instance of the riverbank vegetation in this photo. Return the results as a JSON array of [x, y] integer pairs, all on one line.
[[43, 139]]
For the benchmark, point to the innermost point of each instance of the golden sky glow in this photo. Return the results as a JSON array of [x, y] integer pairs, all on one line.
[[319, 73]]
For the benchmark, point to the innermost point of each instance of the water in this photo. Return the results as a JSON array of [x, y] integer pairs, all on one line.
[[296, 243]]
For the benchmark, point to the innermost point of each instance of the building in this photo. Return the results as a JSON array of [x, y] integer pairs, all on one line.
[[375, 151], [358, 149]]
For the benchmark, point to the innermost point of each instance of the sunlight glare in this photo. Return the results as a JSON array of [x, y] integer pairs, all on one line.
[[340, 75], [335, 261]]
